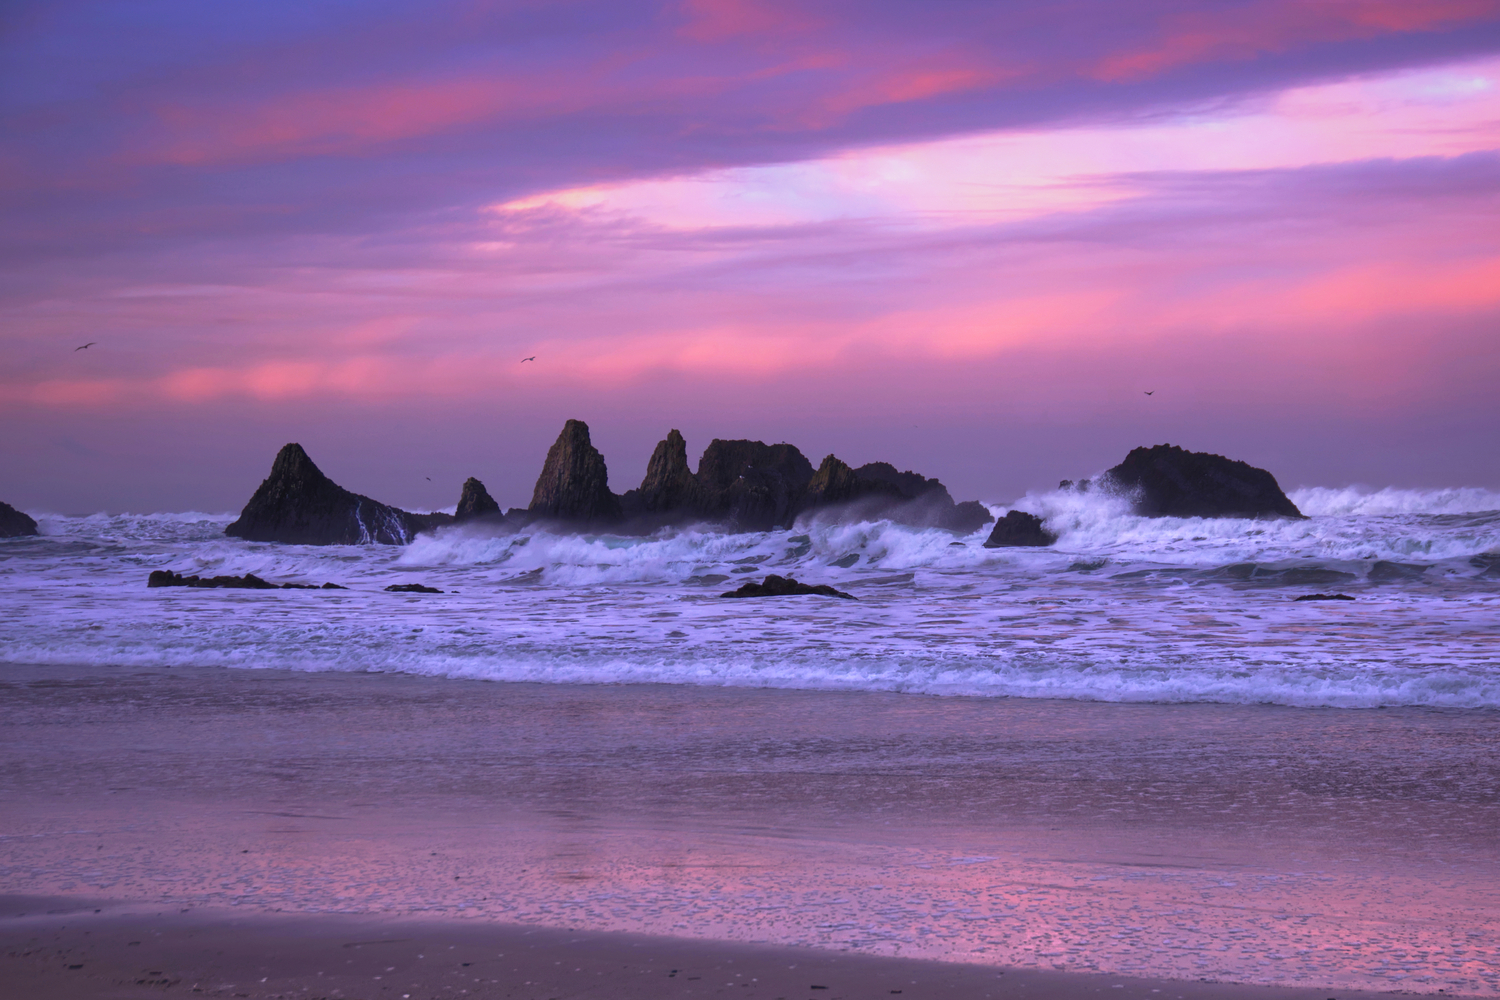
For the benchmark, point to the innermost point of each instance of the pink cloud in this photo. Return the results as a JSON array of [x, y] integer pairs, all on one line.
[[1244, 32]]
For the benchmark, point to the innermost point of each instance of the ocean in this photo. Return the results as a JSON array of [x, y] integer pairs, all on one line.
[[1122, 608], [1134, 752]]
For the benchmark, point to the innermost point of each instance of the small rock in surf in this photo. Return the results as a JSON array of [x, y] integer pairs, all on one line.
[[1324, 597], [786, 586], [412, 588], [1018, 528]]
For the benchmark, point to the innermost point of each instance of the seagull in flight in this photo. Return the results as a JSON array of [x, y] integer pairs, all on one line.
[[428, 478], [89, 344], [1151, 393], [532, 358]]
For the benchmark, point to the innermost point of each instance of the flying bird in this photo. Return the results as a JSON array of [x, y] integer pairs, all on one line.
[[428, 478], [532, 358], [89, 344], [1151, 393]]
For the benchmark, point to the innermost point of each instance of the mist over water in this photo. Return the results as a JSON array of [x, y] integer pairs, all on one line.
[[1122, 608]]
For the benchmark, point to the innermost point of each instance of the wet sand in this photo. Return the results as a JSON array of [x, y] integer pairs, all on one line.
[[1326, 849], [54, 950]]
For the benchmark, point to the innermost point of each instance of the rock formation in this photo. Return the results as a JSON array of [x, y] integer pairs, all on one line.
[[14, 523], [299, 505], [574, 484], [475, 503], [670, 486], [1018, 528], [877, 490], [1166, 481], [752, 486], [167, 578], [786, 586], [836, 483]]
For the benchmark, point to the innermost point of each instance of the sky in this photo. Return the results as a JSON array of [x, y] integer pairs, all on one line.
[[967, 238]]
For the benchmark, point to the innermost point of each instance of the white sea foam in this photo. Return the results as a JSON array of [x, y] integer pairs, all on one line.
[[1321, 501], [1122, 608]]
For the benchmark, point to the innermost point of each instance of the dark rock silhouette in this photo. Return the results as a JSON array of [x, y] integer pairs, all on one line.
[[475, 503], [1018, 528], [14, 523], [299, 505], [670, 486], [878, 491], [412, 588], [1324, 597], [574, 484], [752, 486], [836, 483], [786, 586], [1167, 481], [167, 578]]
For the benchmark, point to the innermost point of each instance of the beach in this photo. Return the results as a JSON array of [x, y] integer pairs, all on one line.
[[1251, 844]]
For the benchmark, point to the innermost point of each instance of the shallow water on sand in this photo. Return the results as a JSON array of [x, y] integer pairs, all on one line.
[[1351, 849]]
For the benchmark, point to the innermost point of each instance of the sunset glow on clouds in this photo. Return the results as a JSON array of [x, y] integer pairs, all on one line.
[[314, 223]]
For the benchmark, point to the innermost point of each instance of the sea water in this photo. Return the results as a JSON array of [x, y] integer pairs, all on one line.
[[1121, 608]]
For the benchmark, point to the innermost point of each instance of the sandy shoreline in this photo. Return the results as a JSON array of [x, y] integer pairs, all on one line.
[[1333, 850], [57, 949]]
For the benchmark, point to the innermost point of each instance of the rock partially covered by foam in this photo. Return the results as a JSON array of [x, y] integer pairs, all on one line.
[[877, 491], [929, 504], [1167, 481], [475, 503], [299, 505], [14, 523], [836, 483], [1018, 528], [574, 484], [786, 586]]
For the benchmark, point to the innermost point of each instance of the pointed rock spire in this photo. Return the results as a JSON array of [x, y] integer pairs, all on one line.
[[300, 505], [475, 502], [669, 484], [574, 484]]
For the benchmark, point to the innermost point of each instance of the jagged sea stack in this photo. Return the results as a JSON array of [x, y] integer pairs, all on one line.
[[299, 505], [476, 504], [1167, 481], [14, 523], [574, 484], [669, 485]]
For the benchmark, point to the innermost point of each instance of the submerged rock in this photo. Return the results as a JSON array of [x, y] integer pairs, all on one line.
[[785, 586], [412, 588], [1167, 481], [574, 484], [15, 523], [475, 503], [1018, 528], [1324, 597], [299, 505], [167, 578]]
